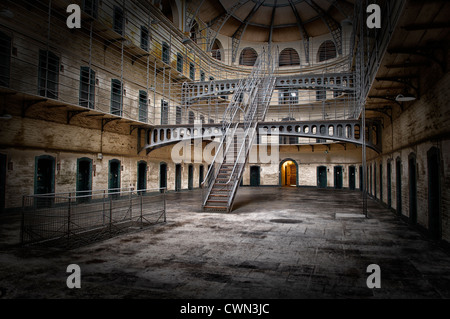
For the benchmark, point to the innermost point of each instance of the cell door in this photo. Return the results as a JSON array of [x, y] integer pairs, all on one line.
[[351, 178], [201, 174], [45, 175], [163, 177], [338, 177], [434, 193], [381, 182], [361, 179], [178, 178], [255, 176], [142, 176], [2, 182], [84, 178], [191, 177], [412, 172], [322, 177], [389, 184], [398, 170], [114, 176]]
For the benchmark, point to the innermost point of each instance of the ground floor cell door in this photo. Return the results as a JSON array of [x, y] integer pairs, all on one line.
[[84, 178], [191, 177], [2, 182], [351, 178], [255, 176], [412, 178], [398, 171], [178, 178], [142, 176], [322, 177], [163, 176], [289, 174], [201, 175], [338, 177], [114, 176], [389, 184], [361, 179], [45, 175], [434, 193]]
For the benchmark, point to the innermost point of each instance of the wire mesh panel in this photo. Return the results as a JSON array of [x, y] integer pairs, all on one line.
[[73, 219]]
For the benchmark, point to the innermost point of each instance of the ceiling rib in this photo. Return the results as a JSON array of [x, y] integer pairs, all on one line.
[[302, 29], [237, 36], [333, 26]]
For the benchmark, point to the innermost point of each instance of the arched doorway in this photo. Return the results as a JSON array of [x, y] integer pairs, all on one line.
[[191, 177], [289, 173], [114, 177], [322, 177], [163, 177], [45, 175], [142, 176], [178, 177], [84, 178]]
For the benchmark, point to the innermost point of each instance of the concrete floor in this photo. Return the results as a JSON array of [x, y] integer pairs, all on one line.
[[277, 244]]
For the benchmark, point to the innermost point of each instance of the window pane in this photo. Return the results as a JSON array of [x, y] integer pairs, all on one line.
[[144, 38], [48, 74], [118, 20], [116, 97], [87, 88], [143, 106]]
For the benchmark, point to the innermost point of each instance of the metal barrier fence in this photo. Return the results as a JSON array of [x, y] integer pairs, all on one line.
[[70, 220]]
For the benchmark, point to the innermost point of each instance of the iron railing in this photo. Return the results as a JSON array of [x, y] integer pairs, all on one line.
[[68, 220]]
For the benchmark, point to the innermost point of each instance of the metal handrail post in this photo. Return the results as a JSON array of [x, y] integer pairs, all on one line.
[[142, 208], [164, 198], [69, 212], [110, 215], [22, 222]]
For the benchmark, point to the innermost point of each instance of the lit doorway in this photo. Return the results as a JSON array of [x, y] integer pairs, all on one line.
[[289, 173]]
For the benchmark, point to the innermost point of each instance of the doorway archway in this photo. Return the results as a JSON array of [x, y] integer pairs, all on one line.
[[289, 173]]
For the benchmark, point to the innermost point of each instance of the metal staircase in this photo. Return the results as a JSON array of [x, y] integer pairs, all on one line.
[[248, 106]]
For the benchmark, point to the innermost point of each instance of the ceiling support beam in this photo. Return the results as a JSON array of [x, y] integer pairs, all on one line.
[[427, 52], [426, 26], [217, 24], [345, 8], [237, 36], [191, 14], [404, 79], [333, 26], [303, 32], [272, 20]]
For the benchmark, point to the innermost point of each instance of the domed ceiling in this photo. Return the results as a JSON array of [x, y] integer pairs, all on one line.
[[275, 20]]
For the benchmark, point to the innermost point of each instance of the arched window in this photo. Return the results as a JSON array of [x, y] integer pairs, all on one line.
[[289, 57], [327, 51], [191, 117], [170, 9], [193, 32], [248, 57], [216, 50]]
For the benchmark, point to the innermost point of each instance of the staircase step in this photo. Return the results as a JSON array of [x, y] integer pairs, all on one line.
[[216, 208], [212, 201]]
